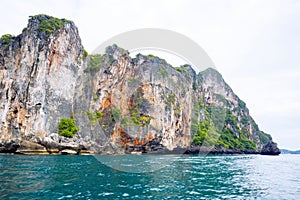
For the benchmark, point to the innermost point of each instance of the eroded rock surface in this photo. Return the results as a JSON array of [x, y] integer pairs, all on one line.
[[121, 104], [270, 149]]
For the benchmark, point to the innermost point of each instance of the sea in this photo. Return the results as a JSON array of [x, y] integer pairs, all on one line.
[[149, 177]]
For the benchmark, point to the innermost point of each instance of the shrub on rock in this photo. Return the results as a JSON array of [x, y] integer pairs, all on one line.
[[67, 127]]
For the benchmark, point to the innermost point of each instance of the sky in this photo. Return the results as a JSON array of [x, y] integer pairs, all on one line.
[[255, 44]]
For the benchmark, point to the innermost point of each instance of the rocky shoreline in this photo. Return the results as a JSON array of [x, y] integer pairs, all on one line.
[[52, 144], [58, 145], [269, 149]]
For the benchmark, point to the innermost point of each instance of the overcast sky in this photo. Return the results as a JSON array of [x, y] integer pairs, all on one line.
[[254, 44]]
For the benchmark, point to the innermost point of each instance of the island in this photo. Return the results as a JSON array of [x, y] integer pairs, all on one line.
[[55, 98]]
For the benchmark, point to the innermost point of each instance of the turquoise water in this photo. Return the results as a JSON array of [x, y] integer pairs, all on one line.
[[171, 177]]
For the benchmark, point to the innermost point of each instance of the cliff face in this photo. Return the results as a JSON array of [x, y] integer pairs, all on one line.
[[229, 115], [38, 71], [143, 102], [120, 104]]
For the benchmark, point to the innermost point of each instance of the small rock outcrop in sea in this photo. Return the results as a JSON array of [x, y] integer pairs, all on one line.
[[56, 99], [270, 149]]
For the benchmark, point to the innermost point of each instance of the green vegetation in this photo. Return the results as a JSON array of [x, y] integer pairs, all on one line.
[[234, 137], [205, 135], [221, 98], [204, 132], [244, 120], [195, 86], [110, 49], [220, 127], [137, 98], [180, 69], [246, 143], [170, 103], [228, 139], [94, 117], [264, 137], [170, 100], [116, 114], [7, 39], [136, 117], [110, 59], [242, 104], [94, 64], [85, 54], [217, 115], [177, 111], [150, 56], [230, 119], [200, 77], [67, 127], [49, 24], [162, 71], [130, 80], [126, 121], [95, 96], [140, 120]]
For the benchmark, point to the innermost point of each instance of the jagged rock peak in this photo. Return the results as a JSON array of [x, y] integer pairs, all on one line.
[[188, 68], [43, 29], [211, 72], [116, 51], [47, 25]]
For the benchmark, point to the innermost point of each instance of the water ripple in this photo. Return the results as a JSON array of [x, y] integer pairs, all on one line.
[[181, 177]]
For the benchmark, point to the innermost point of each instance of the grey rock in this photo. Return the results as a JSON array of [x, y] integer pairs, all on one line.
[[270, 149], [38, 76], [143, 103], [9, 147], [27, 145]]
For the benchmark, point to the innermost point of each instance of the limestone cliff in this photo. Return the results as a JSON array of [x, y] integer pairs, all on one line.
[[120, 104], [38, 71]]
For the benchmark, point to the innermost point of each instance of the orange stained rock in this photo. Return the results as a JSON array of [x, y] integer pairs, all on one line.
[[51, 57], [22, 115], [149, 137], [114, 135], [130, 102], [105, 103], [136, 141], [120, 137], [143, 140], [54, 59]]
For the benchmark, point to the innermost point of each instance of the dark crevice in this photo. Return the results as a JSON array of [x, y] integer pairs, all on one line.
[[27, 92], [7, 93]]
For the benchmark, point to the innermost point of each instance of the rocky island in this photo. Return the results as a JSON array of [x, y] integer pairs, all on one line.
[[57, 99]]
